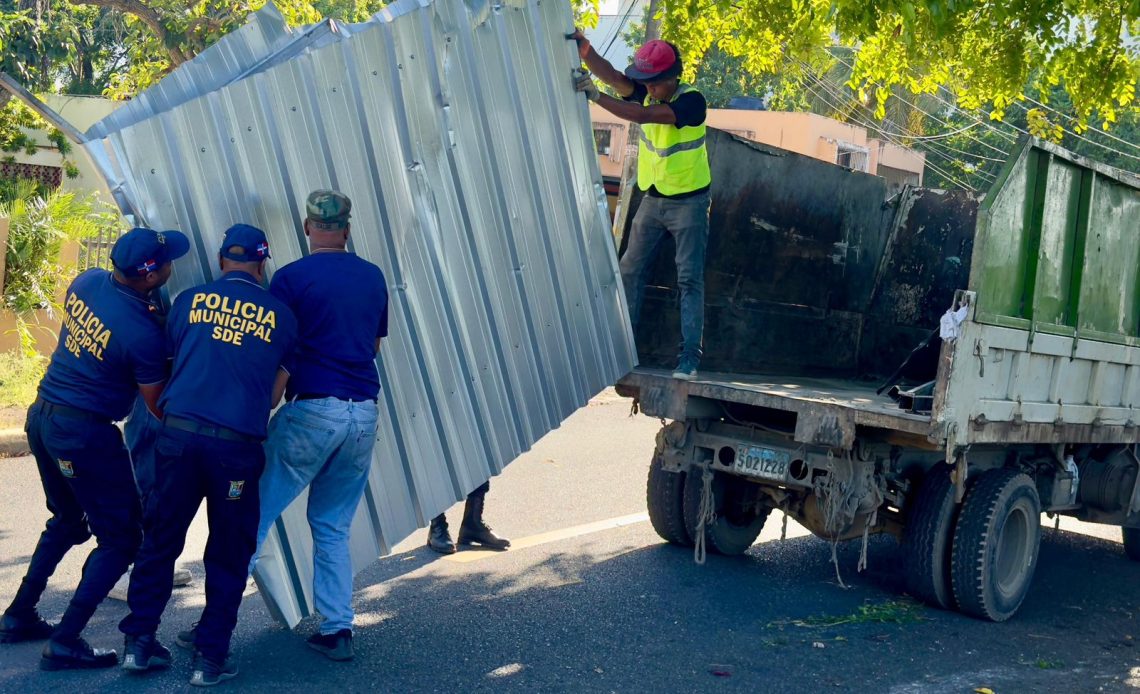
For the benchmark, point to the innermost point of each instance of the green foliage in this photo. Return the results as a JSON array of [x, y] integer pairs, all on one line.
[[20, 375], [585, 13], [983, 52], [38, 226]]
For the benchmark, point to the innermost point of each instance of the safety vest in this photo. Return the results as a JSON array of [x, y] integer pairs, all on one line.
[[672, 159]]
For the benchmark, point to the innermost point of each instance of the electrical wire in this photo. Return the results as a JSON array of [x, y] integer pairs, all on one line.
[[945, 174], [893, 136], [1095, 129]]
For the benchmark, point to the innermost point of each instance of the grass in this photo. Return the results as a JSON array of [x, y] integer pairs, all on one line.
[[19, 377], [1044, 664], [899, 611]]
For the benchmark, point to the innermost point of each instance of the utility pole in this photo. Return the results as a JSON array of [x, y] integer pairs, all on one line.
[[633, 135]]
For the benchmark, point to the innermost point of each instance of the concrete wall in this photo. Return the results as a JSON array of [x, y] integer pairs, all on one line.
[[82, 112]]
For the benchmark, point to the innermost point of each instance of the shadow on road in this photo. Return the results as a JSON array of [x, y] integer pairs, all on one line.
[[608, 616]]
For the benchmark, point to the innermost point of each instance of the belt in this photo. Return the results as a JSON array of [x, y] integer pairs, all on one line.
[[195, 427], [73, 412], [318, 396]]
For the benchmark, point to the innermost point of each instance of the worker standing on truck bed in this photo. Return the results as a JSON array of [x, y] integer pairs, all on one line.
[[110, 350], [672, 171]]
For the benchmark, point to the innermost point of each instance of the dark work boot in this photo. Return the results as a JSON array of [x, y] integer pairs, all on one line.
[[474, 531], [75, 654], [439, 539], [29, 626]]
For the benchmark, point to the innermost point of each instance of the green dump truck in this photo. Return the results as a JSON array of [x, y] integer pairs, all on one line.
[[1020, 398]]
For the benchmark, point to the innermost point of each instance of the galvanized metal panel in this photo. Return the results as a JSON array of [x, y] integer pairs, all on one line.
[[469, 158]]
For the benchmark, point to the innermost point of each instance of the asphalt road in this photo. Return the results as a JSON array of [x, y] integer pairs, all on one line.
[[592, 600]]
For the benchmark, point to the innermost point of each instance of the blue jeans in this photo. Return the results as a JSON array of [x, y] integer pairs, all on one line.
[[326, 445], [687, 220]]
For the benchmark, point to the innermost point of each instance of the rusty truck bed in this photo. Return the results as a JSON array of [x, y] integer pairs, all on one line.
[[827, 409]]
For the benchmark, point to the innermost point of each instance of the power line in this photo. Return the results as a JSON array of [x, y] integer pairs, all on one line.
[[891, 136], [1095, 129], [1091, 142], [620, 26], [948, 176], [942, 122]]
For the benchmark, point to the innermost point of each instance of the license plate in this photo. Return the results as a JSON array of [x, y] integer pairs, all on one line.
[[762, 462]]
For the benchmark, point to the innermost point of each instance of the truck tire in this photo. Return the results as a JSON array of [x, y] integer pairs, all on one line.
[[996, 542], [1131, 542], [737, 523], [927, 538], [664, 498]]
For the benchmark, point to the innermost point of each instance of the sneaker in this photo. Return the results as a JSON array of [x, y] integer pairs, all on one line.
[[141, 653], [336, 646], [206, 673], [20, 628], [686, 369], [186, 639]]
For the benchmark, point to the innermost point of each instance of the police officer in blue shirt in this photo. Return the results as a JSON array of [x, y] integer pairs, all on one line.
[[323, 436], [229, 340], [110, 349]]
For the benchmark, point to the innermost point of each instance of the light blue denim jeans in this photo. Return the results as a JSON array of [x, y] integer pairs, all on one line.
[[326, 445]]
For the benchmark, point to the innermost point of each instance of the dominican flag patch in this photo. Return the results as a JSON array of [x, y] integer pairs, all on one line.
[[148, 266], [235, 489], [262, 248]]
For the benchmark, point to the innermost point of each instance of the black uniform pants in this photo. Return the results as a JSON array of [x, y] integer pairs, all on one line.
[[90, 489], [190, 467]]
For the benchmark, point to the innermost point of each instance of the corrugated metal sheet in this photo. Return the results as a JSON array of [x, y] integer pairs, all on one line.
[[455, 129]]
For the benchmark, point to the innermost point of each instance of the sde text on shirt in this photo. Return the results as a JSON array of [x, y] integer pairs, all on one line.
[[232, 319]]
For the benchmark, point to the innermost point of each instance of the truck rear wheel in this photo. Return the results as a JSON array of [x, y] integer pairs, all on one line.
[[1131, 542], [664, 498], [996, 542], [739, 518], [927, 538]]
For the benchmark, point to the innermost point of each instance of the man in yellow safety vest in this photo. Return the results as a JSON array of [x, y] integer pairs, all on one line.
[[672, 171]]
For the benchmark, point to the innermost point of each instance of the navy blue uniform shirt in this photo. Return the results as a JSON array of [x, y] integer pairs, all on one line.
[[228, 338], [341, 304], [109, 343]]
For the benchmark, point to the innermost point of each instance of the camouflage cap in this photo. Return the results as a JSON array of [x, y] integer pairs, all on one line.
[[328, 210]]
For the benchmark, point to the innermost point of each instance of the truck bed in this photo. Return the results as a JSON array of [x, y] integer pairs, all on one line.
[[827, 409]]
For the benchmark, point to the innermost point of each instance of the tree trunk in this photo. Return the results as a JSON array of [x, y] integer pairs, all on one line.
[[150, 17]]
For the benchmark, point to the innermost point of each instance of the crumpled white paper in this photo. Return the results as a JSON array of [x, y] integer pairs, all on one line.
[[950, 326]]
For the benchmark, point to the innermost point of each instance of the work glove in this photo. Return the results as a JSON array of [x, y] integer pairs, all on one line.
[[584, 83]]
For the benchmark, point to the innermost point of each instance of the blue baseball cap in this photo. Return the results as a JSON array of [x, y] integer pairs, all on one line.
[[143, 250], [245, 244]]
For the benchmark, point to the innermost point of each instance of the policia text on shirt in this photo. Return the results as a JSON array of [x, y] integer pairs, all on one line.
[[233, 319]]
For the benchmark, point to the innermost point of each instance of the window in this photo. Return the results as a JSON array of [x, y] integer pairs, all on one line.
[[853, 157], [602, 139]]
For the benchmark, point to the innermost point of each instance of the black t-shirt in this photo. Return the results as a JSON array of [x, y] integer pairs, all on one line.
[[689, 109]]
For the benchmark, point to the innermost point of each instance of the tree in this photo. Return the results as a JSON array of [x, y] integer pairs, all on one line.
[[985, 53]]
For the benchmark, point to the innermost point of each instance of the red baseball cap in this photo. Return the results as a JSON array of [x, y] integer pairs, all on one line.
[[656, 60]]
